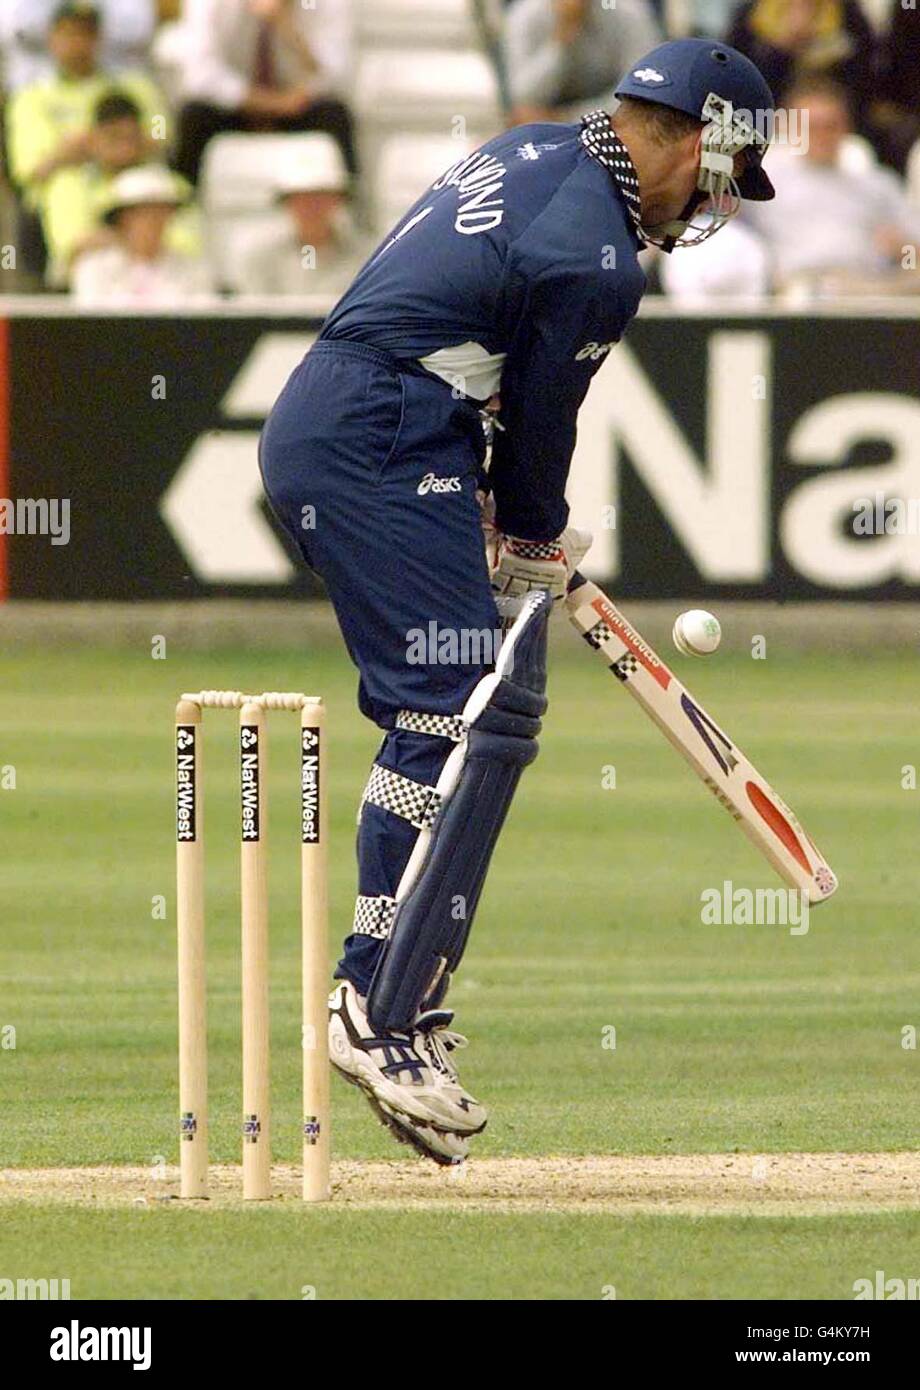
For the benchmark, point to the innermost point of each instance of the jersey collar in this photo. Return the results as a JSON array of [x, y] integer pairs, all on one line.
[[604, 145]]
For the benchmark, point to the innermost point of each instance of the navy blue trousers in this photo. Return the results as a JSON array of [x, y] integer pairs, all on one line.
[[372, 470]]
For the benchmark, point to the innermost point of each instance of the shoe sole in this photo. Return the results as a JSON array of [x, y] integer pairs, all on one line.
[[402, 1135]]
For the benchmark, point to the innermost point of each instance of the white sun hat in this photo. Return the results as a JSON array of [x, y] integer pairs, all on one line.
[[311, 164], [147, 183]]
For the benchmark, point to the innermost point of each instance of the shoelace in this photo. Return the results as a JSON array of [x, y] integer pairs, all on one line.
[[437, 1044]]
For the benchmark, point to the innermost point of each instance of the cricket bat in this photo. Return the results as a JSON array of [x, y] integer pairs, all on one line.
[[750, 800]]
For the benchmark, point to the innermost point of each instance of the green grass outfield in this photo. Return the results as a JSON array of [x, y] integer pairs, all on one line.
[[728, 1038]]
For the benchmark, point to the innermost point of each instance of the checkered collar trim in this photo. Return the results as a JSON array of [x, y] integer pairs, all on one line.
[[603, 144]]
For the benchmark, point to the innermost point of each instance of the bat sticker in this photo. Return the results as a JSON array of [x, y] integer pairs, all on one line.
[[724, 755]]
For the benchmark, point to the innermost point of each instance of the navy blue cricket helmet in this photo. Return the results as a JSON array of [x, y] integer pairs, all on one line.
[[719, 86]]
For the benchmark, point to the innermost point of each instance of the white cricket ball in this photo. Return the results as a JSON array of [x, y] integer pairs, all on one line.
[[696, 633]]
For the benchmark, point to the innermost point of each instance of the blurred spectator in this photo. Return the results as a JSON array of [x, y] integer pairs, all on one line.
[[49, 124], [138, 270], [318, 251], [791, 39], [561, 53], [895, 115], [127, 29], [735, 262], [711, 18], [72, 203], [264, 65], [830, 230]]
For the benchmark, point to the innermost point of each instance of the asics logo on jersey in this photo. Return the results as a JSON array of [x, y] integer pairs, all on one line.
[[528, 151], [432, 483], [594, 351], [648, 75]]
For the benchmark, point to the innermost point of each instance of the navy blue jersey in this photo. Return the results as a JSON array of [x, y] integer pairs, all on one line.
[[527, 250]]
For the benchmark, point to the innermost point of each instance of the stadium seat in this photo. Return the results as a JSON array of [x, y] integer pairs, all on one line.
[[407, 164], [427, 86], [410, 22], [237, 195]]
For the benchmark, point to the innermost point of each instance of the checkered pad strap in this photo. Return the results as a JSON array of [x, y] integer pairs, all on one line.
[[410, 800], [536, 550], [374, 916], [438, 725]]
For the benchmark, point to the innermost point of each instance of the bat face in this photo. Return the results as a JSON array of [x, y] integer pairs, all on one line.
[[734, 781]]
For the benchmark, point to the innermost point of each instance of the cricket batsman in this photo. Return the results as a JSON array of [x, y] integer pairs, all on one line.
[[483, 317]]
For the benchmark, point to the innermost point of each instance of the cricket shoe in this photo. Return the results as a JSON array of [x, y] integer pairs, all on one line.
[[408, 1077]]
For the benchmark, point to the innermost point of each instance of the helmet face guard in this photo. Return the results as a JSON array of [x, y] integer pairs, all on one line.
[[727, 133]]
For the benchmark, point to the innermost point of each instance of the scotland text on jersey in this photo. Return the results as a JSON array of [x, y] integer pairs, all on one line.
[[479, 180]]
